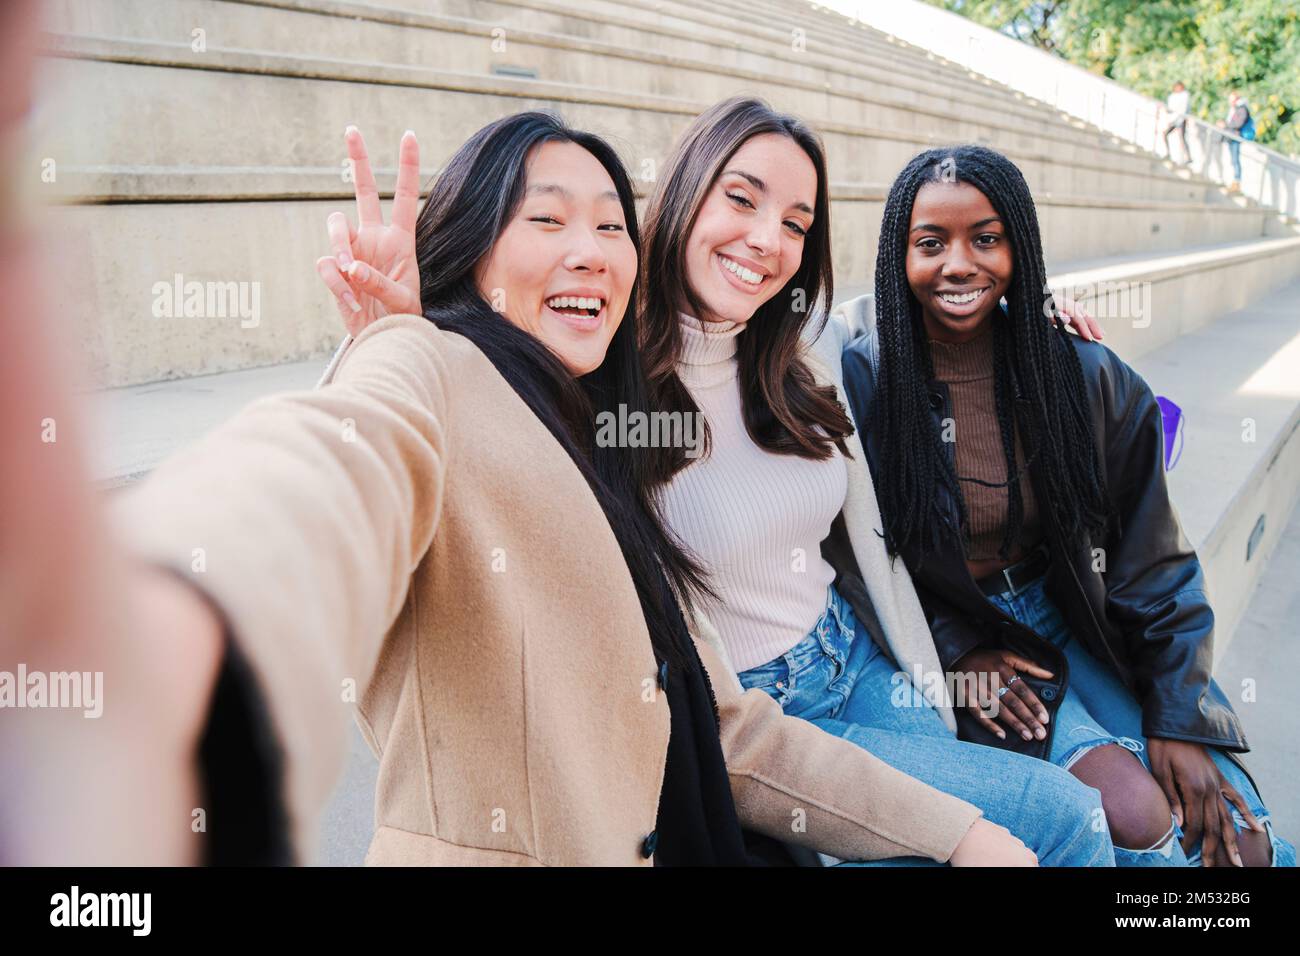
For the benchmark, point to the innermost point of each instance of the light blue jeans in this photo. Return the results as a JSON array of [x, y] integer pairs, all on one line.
[[1234, 151], [1097, 709], [838, 679]]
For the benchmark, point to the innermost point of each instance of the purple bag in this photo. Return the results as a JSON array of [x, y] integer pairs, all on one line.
[[1172, 417]]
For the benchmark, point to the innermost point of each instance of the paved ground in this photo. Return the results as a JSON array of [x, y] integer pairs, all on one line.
[[349, 820], [140, 426], [1265, 650]]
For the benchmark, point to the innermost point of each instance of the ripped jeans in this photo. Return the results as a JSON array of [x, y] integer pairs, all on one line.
[[1097, 709], [838, 679]]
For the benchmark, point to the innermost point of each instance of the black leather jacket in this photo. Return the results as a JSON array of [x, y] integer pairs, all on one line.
[[1146, 613]]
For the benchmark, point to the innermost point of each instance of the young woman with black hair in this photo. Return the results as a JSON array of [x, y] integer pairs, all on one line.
[[1021, 479], [780, 509]]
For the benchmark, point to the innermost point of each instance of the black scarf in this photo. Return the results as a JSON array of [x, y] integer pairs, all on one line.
[[697, 823]]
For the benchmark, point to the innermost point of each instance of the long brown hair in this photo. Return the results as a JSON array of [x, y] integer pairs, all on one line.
[[782, 404]]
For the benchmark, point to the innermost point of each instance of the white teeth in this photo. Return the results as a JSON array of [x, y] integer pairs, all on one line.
[[748, 275], [961, 299], [575, 302]]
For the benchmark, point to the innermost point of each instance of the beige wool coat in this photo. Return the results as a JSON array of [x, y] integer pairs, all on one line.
[[413, 533]]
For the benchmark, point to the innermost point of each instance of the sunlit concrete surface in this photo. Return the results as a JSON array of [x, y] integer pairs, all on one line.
[[1266, 653]]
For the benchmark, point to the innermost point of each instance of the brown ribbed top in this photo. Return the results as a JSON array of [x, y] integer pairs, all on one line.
[[967, 369]]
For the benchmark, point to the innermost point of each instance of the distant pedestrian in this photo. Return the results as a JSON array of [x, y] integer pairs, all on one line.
[[1176, 110], [1240, 122]]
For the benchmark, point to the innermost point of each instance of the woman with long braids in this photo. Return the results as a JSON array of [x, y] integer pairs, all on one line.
[[779, 508], [1021, 479]]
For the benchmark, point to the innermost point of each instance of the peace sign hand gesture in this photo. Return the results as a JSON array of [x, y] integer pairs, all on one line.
[[373, 271]]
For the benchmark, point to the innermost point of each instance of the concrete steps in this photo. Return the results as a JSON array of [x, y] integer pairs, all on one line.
[[763, 28], [1180, 292], [1238, 382], [142, 425], [272, 247], [388, 34], [326, 29], [465, 46], [254, 94]]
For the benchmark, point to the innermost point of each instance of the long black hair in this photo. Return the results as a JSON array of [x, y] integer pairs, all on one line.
[[1038, 379], [470, 205]]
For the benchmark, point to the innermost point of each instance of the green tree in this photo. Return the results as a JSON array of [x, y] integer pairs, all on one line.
[[1213, 46]]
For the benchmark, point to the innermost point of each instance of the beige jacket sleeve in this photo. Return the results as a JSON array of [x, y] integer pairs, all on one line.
[[797, 783], [303, 519]]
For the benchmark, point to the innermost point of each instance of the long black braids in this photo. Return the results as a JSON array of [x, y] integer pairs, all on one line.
[[1038, 379]]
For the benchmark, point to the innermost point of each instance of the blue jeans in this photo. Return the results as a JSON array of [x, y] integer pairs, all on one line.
[[838, 679], [1234, 151], [1098, 709]]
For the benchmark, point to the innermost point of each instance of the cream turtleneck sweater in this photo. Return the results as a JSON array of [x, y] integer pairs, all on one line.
[[754, 518]]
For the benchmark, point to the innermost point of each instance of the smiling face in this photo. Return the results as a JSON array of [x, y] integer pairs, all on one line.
[[748, 238], [959, 261], [562, 269]]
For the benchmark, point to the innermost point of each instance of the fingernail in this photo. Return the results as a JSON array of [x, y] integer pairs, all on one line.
[[409, 132], [1001, 735], [349, 129], [345, 261], [358, 271], [1040, 733], [1027, 735], [352, 302], [1042, 715]]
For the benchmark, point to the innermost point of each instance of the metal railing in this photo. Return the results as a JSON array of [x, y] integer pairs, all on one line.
[[1268, 176]]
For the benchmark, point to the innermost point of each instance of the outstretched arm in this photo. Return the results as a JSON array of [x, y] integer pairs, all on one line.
[[302, 520]]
